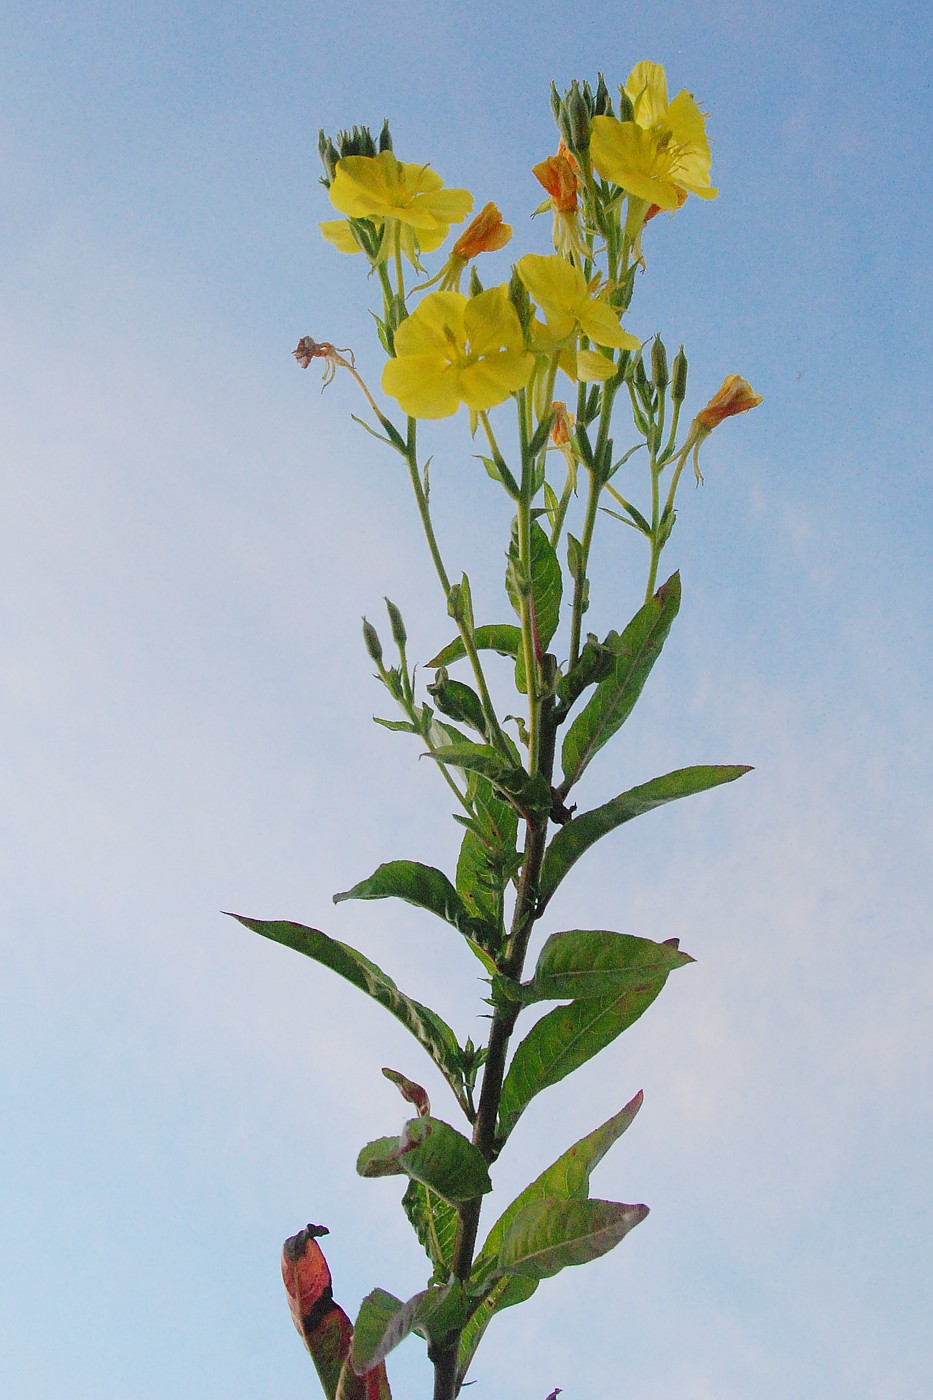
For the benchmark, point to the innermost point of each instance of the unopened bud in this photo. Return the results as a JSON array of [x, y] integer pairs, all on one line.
[[399, 635], [555, 103], [329, 155], [475, 285], [578, 120], [602, 106], [385, 137], [518, 296], [679, 377], [373, 644], [660, 375], [626, 110]]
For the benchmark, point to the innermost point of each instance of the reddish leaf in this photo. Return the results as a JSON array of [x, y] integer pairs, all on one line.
[[410, 1091], [324, 1326]]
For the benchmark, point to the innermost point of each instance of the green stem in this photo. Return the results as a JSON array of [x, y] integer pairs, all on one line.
[[596, 477]]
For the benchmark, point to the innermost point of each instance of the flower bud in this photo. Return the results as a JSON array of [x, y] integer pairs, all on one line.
[[399, 635], [679, 377], [373, 644], [660, 375], [578, 120], [555, 103], [518, 296], [385, 137], [626, 110], [475, 285], [602, 106], [329, 156]]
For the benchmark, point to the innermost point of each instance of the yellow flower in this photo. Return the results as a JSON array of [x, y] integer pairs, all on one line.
[[660, 154], [561, 291], [735, 396], [455, 349], [410, 199]]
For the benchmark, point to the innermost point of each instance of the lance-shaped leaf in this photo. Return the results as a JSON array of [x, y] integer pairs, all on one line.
[[530, 793], [384, 1321], [435, 1223], [423, 886], [410, 1091], [488, 858], [594, 963], [506, 1292], [546, 582], [323, 1325], [432, 1152], [578, 835], [614, 698], [566, 1179], [546, 1236], [565, 1039], [426, 1026], [503, 637]]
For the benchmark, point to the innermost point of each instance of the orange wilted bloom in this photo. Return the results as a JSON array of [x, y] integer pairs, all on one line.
[[485, 234], [563, 423], [656, 208], [557, 176], [735, 396]]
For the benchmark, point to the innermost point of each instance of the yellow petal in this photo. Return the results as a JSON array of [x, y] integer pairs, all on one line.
[[557, 286], [339, 233], [591, 366], [647, 87], [428, 330], [490, 380], [601, 323], [424, 385], [491, 322]]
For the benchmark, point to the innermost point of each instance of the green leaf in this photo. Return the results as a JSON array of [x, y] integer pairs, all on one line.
[[421, 885], [433, 1313], [529, 793], [546, 582], [615, 697], [373, 1320], [488, 858], [596, 661], [546, 1236], [425, 1025], [435, 1223], [502, 637], [566, 1179], [379, 1158], [578, 835], [565, 1039], [583, 963], [458, 701], [507, 1292], [434, 1153]]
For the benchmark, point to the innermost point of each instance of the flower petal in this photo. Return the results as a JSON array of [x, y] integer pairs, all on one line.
[[490, 380], [434, 327], [340, 234], [424, 385], [647, 87], [600, 322], [490, 322]]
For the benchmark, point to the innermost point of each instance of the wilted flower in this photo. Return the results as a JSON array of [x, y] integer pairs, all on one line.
[[486, 233], [735, 396], [559, 176]]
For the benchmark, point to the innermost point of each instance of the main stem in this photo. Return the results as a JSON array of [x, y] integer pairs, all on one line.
[[445, 1359]]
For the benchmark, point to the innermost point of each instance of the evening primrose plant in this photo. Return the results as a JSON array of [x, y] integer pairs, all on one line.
[[595, 439]]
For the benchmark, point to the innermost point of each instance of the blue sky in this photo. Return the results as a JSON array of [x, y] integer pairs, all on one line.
[[189, 533]]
